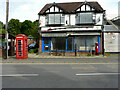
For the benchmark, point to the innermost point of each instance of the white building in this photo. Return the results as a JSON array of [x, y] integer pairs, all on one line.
[[112, 36], [65, 24]]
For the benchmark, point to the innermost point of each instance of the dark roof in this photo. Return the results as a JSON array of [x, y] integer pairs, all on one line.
[[9, 37], [117, 23], [71, 6], [110, 28]]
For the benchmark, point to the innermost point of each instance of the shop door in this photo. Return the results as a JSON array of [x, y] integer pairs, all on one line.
[[46, 44]]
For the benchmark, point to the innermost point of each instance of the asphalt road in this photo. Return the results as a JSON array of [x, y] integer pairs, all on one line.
[[84, 75]]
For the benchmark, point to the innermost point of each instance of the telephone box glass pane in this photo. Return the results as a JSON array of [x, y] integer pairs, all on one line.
[[26, 47], [20, 48]]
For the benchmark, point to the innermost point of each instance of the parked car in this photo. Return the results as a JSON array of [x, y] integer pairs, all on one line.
[[33, 46]]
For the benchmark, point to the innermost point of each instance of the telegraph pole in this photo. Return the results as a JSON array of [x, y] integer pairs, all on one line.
[[6, 30]]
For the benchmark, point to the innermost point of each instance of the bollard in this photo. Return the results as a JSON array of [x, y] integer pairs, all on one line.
[[75, 49], [104, 52], [90, 52], [50, 51]]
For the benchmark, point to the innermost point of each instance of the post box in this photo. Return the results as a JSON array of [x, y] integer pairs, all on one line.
[[97, 47], [21, 47]]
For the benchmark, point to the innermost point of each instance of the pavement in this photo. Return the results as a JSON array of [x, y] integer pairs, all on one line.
[[37, 59]]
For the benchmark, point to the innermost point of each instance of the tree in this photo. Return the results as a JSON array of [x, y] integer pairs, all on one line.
[[14, 27], [34, 31], [27, 27], [2, 27]]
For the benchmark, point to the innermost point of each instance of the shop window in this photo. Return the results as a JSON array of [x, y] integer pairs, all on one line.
[[80, 41], [91, 40], [58, 43], [70, 44], [46, 48], [46, 40], [86, 42]]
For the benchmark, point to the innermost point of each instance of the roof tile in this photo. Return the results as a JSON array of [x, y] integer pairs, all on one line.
[[71, 6]]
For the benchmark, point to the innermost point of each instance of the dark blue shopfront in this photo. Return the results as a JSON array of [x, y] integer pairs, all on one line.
[[67, 44]]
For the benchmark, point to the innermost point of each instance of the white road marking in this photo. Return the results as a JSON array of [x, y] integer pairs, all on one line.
[[88, 74], [19, 75]]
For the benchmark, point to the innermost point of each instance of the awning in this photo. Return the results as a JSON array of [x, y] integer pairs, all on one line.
[[54, 35], [83, 34]]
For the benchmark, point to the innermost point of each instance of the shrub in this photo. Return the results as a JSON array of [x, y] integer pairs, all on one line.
[[31, 51], [107, 54]]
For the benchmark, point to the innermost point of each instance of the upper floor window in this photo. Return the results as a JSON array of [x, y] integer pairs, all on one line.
[[84, 18], [55, 19]]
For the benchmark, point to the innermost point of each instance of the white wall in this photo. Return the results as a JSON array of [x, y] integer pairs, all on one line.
[[72, 18], [67, 19], [42, 21], [99, 17], [111, 43]]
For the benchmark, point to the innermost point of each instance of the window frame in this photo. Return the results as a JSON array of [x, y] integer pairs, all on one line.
[[47, 22], [79, 17]]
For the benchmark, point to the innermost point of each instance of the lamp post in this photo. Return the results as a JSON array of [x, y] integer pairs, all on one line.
[[6, 30]]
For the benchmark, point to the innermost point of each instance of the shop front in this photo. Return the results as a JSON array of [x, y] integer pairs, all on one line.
[[67, 43]]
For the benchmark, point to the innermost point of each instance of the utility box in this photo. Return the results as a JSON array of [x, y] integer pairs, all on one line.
[[21, 47]]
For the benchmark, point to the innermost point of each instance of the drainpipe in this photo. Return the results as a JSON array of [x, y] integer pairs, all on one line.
[[103, 49]]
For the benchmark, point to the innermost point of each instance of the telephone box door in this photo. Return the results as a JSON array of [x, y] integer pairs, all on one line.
[[21, 47]]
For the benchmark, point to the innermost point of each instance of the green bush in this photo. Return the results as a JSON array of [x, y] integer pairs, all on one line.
[[88, 55], [107, 54], [35, 50], [31, 51]]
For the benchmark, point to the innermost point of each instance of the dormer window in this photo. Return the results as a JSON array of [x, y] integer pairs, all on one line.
[[55, 19], [84, 18]]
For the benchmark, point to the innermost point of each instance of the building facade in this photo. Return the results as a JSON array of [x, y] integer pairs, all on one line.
[[112, 36], [66, 26]]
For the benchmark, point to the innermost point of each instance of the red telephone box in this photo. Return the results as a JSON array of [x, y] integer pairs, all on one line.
[[97, 48], [21, 47]]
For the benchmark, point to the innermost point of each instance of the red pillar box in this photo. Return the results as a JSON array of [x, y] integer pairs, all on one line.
[[97, 48], [21, 47]]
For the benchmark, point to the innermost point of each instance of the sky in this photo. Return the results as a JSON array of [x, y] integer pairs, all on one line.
[[29, 9]]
